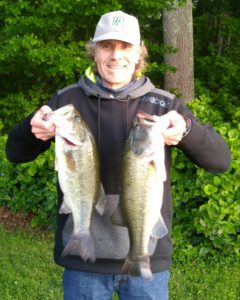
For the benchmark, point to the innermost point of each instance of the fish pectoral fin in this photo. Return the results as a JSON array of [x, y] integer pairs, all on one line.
[[117, 218], [159, 229], [152, 243], [65, 208], [101, 204]]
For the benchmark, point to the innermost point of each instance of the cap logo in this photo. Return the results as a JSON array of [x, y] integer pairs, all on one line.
[[118, 21]]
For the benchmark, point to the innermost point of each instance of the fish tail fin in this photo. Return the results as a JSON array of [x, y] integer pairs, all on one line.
[[82, 245], [136, 266]]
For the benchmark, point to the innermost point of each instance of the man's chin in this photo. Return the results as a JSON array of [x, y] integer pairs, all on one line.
[[116, 82]]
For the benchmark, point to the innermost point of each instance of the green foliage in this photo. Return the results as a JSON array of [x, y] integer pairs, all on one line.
[[217, 51], [42, 50], [42, 47], [30, 187], [206, 206], [222, 83]]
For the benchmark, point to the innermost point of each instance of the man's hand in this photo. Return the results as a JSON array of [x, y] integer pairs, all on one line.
[[43, 130], [173, 133]]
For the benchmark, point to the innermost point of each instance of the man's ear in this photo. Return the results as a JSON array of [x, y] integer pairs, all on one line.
[[138, 55]]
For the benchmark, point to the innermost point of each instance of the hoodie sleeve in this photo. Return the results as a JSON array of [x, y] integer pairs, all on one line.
[[22, 145], [203, 145], [206, 148]]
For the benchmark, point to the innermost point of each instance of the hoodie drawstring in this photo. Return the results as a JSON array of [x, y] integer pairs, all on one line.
[[99, 121], [127, 114]]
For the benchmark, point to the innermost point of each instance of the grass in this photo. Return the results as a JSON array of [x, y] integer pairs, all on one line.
[[28, 272], [205, 281]]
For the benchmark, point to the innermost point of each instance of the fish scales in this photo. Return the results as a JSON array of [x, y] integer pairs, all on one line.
[[78, 174], [140, 176], [79, 183], [142, 192]]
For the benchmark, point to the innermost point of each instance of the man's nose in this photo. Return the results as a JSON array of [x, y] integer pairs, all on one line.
[[116, 53]]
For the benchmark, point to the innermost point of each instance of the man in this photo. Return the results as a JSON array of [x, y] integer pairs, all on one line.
[[108, 97]]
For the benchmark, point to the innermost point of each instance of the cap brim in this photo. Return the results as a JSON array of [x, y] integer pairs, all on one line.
[[116, 36]]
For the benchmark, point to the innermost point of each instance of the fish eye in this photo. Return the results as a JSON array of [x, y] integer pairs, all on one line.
[[77, 118]]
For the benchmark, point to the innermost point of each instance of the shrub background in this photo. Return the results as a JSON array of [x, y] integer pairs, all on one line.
[[42, 50]]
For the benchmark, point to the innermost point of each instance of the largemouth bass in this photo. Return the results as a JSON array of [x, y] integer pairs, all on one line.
[[142, 192], [76, 161]]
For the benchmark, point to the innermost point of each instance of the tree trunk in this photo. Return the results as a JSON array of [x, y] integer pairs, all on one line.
[[178, 33]]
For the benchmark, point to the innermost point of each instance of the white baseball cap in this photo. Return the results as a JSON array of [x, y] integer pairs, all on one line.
[[118, 25]]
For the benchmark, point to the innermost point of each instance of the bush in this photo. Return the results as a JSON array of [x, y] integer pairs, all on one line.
[[206, 206], [30, 187]]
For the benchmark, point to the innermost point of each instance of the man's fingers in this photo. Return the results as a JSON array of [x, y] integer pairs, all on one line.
[[41, 128], [37, 120], [45, 109]]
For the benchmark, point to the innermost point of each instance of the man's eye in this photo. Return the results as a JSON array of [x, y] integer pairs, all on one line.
[[126, 46], [105, 45]]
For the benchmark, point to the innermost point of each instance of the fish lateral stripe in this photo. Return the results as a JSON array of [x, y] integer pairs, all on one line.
[[70, 161]]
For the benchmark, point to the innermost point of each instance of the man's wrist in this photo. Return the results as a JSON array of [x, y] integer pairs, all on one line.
[[188, 126]]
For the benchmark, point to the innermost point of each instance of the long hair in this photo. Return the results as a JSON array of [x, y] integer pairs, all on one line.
[[140, 67]]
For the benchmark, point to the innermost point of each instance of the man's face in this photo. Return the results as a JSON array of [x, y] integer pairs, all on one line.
[[116, 62]]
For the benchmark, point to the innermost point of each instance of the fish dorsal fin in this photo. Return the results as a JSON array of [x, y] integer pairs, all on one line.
[[101, 204]]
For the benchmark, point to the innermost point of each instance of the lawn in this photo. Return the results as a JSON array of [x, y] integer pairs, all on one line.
[[28, 272]]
